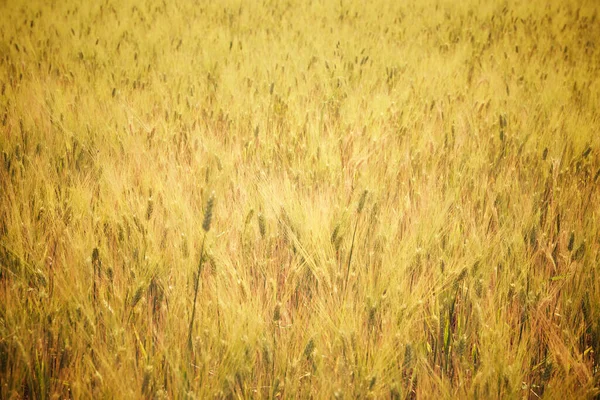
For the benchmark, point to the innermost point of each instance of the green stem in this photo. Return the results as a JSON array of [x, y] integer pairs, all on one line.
[[196, 286], [350, 256]]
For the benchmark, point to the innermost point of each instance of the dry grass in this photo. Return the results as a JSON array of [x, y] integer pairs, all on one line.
[[468, 270]]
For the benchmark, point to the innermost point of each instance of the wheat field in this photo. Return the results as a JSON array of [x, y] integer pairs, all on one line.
[[287, 199]]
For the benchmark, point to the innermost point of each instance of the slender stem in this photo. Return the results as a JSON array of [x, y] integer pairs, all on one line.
[[217, 302], [196, 294], [350, 256]]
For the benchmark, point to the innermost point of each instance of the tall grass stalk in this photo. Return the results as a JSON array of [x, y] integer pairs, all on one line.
[[206, 227], [359, 209]]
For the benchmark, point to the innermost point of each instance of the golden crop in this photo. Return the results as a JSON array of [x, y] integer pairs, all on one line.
[[406, 199]]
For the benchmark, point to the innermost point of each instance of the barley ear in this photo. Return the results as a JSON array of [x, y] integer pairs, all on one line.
[[209, 212], [262, 227], [361, 202]]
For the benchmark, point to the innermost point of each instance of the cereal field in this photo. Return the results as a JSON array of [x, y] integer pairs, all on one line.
[[299, 199]]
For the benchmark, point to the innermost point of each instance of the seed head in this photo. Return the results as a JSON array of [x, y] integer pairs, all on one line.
[[209, 212], [335, 234], [137, 296], [262, 227], [150, 208], [309, 349], [571, 241], [95, 256], [361, 202]]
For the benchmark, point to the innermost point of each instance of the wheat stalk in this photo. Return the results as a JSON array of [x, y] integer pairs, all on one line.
[[206, 227]]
